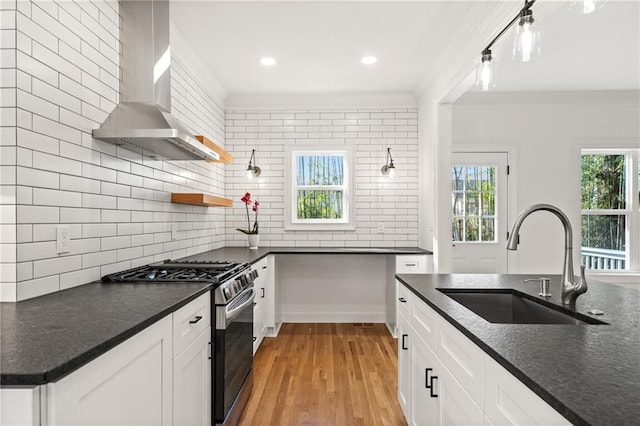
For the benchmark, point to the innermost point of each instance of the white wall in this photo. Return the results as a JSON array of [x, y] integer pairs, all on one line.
[[377, 200], [546, 131], [62, 85]]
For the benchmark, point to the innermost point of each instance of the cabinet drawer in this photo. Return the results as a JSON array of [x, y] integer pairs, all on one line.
[[403, 300], [414, 264], [261, 266], [462, 357], [424, 320], [190, 321]]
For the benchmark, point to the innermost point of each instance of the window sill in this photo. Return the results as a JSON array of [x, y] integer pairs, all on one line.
[[320, 227]]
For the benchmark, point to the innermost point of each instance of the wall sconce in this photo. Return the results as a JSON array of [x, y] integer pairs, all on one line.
[[253, 170], [389, 169]]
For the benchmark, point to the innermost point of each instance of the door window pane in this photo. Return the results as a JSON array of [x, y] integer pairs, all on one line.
[[473, 203]]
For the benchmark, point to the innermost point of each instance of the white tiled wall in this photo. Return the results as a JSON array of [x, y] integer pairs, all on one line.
[[60, 67], [378, 200]]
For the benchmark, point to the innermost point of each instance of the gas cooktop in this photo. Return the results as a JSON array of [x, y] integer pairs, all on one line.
[[179, 271]]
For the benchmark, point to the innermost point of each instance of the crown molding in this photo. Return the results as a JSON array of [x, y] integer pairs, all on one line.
[[323, 101], [615, 97]]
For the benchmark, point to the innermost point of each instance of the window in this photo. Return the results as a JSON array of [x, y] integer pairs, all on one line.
[[319, 191], [610, 209], [474, 203]]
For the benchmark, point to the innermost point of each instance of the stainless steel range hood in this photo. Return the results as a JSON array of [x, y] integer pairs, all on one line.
[[142, 119]]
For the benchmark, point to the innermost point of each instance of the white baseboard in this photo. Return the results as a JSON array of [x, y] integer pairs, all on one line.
[[392, 331], [328, 317]]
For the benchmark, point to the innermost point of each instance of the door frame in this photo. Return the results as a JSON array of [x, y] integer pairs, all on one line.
[[512, 184]]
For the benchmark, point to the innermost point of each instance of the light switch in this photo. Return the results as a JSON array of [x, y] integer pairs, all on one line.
[[380, 227], [174, 231], [63, 239]]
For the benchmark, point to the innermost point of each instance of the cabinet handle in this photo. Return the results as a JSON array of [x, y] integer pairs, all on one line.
[[255, 338], [404, 348], [264, 267], [402, 299], [411, 264], [262, 292], [254, 303], [428, 382], [209, 351], [198, 318]]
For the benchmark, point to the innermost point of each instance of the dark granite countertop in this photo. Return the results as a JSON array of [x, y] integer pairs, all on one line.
[[588, 373], [243, 254], [47, 337]]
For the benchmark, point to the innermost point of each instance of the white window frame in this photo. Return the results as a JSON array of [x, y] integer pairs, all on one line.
[[292, 223], [631, 210]]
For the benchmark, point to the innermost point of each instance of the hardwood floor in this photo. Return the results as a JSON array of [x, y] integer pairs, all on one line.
[[326, 374]]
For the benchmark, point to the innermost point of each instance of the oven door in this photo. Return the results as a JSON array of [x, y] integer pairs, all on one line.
[[233, 355]]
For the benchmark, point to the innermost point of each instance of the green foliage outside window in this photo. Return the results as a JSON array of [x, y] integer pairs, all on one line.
[[603, 188], [320, 186]]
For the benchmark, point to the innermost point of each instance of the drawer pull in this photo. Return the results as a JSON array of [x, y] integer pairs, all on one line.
[[264, 267], [198, 318], [428, 382], [404, 347], [262, 292], [402, 299], [411, 264], [255, 338]]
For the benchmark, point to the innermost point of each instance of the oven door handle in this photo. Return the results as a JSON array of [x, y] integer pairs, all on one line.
[[230, 314]]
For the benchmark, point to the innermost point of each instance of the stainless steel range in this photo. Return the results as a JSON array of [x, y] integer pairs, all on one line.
[[232, 332]]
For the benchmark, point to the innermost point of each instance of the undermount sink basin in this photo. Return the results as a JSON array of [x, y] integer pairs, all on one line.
[[508, 306]]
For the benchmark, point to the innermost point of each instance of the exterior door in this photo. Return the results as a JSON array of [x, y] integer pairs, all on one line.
[[479, 212]]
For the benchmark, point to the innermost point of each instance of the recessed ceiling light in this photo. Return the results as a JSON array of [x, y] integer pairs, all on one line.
[[268, 62], [368, 60]]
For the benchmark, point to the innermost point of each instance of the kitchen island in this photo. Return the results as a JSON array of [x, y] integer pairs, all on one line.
[[588, 373]]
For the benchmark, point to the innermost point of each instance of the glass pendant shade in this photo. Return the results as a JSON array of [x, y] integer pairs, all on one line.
[[527, 37], [486, 72]]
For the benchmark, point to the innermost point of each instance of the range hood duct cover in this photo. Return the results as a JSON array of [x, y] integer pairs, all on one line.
[[142, 119]]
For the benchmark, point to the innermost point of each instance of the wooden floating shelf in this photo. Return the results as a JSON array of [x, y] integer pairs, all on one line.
[[200, 199], [225, 157]]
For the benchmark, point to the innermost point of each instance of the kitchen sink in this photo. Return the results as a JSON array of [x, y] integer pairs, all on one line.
[[508, 306]]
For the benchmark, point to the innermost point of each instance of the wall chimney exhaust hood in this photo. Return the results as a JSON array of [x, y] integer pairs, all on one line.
[[142, 119]]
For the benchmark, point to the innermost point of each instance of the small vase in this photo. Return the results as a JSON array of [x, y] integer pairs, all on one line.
[[254, 240]]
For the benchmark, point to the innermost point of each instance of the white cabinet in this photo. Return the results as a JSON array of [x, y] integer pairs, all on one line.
[[509, 402], [454, 382], [404, 365], [20, 406], [192, 363], [260, 304], [192, 383], [130, 384], [160, 376]]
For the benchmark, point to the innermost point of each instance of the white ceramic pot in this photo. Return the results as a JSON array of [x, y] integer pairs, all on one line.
[[254, 240]]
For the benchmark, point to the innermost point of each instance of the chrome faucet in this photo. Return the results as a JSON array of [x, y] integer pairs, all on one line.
[[570, 288]]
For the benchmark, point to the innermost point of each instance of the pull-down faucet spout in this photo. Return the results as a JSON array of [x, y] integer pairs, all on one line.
[[570, 288]]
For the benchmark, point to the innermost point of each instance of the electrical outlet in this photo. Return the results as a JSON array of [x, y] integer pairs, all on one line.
[[63, 239], [174, 231], [216, 228], [380, 227]]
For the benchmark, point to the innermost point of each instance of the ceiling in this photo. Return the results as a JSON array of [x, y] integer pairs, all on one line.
[[318, 45]]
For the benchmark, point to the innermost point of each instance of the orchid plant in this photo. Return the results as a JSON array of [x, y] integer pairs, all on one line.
[[248, 202]]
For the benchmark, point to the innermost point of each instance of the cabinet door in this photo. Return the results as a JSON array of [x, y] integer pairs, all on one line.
[[509, 402], [425, 387], [192, 383], [404, 366], [130, 384], [457, 407], [258, 324], [270, 309]]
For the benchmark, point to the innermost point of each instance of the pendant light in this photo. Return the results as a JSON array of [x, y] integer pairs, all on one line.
[[587, 6], [527, 37], [527, 43], [486, 71]]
